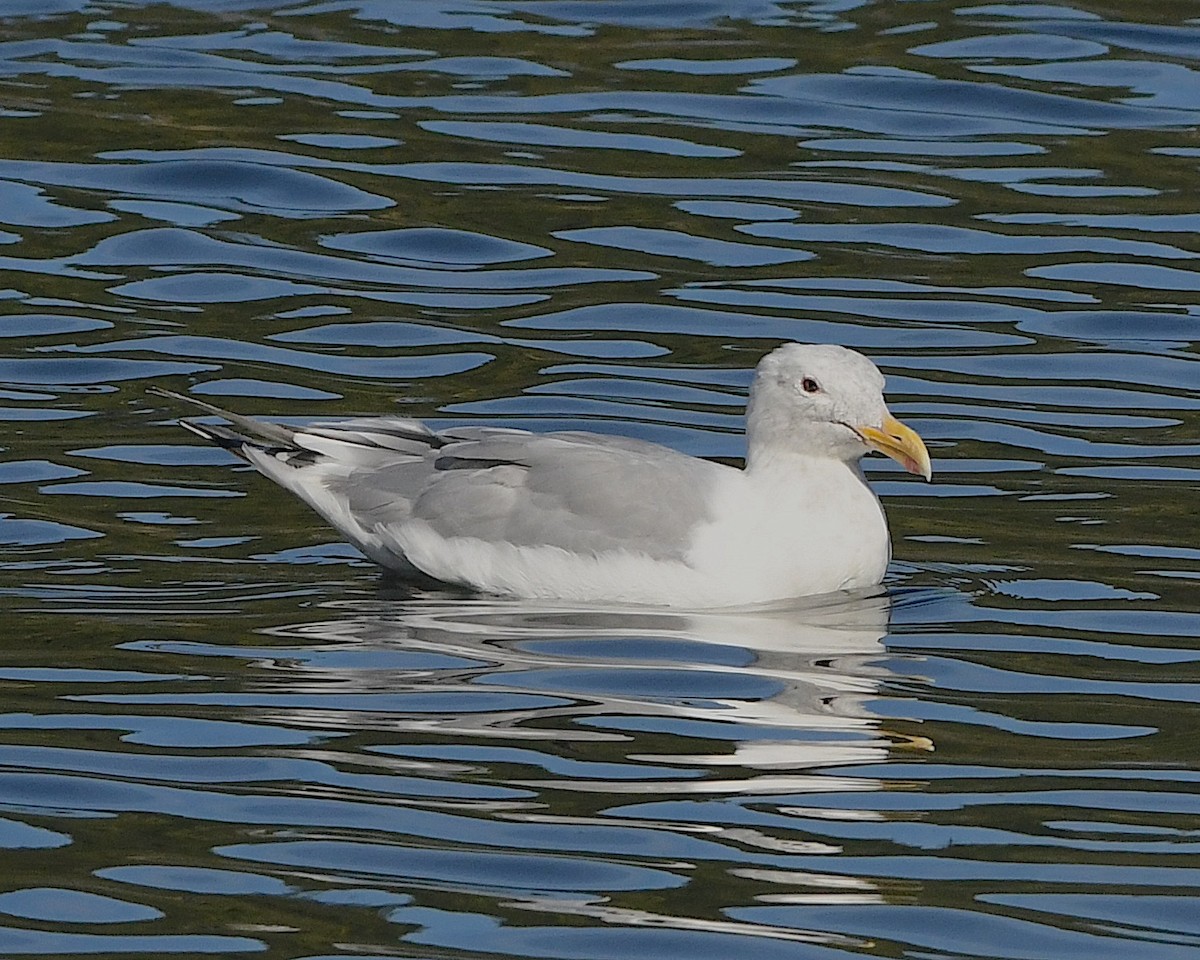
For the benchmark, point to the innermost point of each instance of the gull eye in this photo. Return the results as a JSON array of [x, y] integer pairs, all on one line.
[[809, 385]]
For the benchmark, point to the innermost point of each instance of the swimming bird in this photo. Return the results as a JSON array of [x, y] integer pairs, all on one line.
[[596, 518]]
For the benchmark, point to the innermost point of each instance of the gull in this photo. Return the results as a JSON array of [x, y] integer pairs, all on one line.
[[595, 518]]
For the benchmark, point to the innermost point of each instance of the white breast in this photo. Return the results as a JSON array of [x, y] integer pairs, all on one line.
[[799, 526]]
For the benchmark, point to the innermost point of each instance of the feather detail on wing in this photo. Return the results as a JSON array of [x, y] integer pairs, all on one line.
[[374, 478], [575, 491]]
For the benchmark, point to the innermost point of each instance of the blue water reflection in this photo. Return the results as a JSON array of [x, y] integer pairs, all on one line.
[[224, 733]]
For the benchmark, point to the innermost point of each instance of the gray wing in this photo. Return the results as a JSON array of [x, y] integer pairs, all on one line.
[[581, 492], [585, 493]]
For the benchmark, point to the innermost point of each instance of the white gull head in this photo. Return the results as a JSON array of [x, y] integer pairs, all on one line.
[[822, 400]]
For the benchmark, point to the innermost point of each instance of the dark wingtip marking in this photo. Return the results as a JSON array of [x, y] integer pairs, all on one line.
[[468, 463]]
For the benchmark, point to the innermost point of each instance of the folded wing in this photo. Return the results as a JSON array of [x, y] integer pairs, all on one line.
[[378, 480]]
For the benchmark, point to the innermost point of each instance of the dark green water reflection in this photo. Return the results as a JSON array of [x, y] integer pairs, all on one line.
[[224, 733]]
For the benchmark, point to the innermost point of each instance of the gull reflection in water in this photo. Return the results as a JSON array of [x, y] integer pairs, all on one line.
[[766, 693], [734, 738]]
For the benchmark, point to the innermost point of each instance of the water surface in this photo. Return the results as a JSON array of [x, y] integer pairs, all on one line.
[[224, 733]]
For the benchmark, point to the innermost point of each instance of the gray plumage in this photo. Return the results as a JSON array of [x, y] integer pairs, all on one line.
[[581, 492]]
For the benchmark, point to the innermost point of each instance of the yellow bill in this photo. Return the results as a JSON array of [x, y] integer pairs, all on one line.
[[901, 443]]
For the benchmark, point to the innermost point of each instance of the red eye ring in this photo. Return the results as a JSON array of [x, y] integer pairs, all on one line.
[[809, 385]]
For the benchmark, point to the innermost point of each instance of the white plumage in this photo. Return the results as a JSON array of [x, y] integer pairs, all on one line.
[[592, 518]]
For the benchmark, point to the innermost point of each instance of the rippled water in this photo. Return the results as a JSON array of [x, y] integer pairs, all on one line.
[[222, 732]]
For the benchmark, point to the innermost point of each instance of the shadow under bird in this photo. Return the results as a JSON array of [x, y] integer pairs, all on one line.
[[596, 518]]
